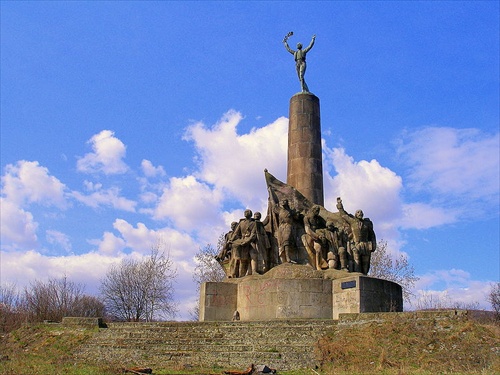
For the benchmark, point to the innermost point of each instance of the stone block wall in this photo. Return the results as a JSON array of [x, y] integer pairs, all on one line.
[[281, 294], [83, 322]]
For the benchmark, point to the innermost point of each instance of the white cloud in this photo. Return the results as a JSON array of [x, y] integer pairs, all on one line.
[[28, 182], [449, 287], [150, 170], [235, 163], [107, 155], [60, 239], [109, 244], [455, 166], [17, 227], [23, 184], [367, 186], [423, 216], [188, 203], [105, 197], [140, 239], [148, 197], [22, 268]]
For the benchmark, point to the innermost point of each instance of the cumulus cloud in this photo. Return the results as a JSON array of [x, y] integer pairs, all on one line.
[[17, 227], [109, 244], [366, 185], [58, 239], [23, 184], [105, 197], [21, 268], [424, 216], [150, 170], [448, 287], [107, 156], [27, 182], [141, 239], [454, 166], [235, 163], [188, 203]]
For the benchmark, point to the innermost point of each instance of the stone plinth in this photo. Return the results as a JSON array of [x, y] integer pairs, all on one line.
[[292, 291], [305, 161], [218, 301], [360, 294]]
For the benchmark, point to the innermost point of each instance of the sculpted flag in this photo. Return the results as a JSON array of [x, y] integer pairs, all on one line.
[[279, 190]]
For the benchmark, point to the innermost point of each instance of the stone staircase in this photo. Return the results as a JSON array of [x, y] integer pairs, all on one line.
[[278, 344], [284, 345]]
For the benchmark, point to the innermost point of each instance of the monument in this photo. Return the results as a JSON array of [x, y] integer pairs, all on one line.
[[305, 162], [301, 261]]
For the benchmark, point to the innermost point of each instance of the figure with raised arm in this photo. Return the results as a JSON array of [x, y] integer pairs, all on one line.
[[300, 58], [363, 238]]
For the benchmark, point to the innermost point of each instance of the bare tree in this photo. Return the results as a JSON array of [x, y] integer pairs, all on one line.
[[8, 296], [397, 269], [436, 300], [137, 290], [494, 299], [57, 298], [207, 269], [87, 306], [12, 311]]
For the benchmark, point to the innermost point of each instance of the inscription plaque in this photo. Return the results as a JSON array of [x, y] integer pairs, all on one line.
[[348, 284]]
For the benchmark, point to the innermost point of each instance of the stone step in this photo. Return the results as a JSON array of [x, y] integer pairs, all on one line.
[[282, 344]]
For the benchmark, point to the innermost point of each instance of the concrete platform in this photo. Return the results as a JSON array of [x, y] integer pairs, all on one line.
[[292, 291]]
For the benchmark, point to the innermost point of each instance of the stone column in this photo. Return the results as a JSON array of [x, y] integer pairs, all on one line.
[[305, 160]]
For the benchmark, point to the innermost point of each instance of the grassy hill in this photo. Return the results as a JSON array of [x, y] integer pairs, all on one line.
[[396, 346], [413, 346]]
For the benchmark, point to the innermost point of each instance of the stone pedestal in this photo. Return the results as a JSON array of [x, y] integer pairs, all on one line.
[[305, 161], [297, 292]]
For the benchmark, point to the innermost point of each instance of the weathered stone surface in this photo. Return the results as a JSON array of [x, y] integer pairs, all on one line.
[[82, 322], [218, 301], [357, 293], [293, 291], [305, 160], [283, 345]]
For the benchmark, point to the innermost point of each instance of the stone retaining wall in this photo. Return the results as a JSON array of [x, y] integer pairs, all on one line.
[[83, 322], [283, 345]]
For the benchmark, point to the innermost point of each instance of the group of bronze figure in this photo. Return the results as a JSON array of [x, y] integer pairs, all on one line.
[[288, 235]]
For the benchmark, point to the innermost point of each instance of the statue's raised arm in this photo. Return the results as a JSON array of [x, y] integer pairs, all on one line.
[[285, 42], [310, 44], [300, 58]]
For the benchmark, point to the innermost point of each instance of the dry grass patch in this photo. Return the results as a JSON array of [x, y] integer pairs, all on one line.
[[405, 346], [46, 349]]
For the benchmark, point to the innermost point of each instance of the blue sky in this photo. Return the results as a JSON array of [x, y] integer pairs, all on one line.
[[124, 122]]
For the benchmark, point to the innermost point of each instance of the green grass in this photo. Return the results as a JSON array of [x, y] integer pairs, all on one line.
[[46, 349]]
